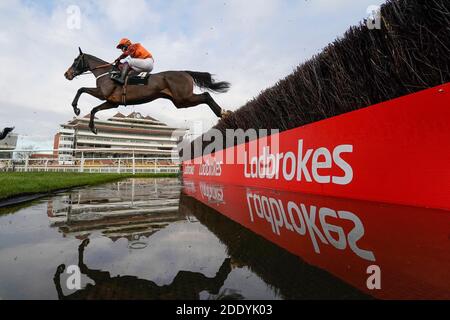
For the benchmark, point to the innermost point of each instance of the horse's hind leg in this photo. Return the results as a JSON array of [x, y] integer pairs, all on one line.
[[181, 92], [213, 105], [196, 99]]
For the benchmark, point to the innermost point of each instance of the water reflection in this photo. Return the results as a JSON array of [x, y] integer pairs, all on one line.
[[185, 285], [410, 245], [291, 277], [141, 246], [284, 273], [134, 209], [153, 239]]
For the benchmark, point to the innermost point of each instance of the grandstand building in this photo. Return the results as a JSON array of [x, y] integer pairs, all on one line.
[[8, 145], [117, 137]]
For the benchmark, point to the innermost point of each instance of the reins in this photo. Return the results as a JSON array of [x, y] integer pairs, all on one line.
[[102, 66], [96, 68]]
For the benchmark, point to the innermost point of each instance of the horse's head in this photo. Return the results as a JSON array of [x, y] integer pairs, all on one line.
[[78, 67]]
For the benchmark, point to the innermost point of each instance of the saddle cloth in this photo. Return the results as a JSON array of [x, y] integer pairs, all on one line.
[[136, 79]]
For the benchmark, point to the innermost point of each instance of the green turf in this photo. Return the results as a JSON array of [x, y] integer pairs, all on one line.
[[25, 183]]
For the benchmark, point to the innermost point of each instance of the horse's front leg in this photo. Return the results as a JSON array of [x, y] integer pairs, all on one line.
[[103, 106], [96, 92]]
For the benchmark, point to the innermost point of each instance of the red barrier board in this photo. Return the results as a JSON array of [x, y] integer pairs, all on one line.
[[395, 152], [409, 245]]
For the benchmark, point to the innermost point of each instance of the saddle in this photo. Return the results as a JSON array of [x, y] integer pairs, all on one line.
[[134, 78]]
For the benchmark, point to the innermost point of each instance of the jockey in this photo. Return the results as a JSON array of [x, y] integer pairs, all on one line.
[[135, 57]]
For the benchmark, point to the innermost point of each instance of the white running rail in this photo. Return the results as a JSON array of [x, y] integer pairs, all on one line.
[[41, 160]]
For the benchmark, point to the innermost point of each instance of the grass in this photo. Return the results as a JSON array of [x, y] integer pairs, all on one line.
[[26, 183]]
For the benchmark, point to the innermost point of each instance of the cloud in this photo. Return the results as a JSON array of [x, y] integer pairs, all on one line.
[[129, 17], [249, 43]]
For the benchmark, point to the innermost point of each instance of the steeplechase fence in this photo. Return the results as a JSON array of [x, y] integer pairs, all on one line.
[[86, 161], [366, 118]]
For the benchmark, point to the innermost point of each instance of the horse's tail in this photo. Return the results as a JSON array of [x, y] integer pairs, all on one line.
[[206, 81]]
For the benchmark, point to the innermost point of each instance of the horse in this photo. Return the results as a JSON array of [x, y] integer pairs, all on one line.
[[176, 86], [4, 133]]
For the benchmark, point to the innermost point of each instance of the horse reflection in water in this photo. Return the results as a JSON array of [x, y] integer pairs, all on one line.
[[186, 284]]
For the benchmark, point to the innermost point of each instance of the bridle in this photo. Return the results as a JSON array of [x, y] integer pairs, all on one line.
[[82, 65]]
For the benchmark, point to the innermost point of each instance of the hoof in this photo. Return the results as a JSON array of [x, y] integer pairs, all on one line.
[[94, 130], [77, 111]]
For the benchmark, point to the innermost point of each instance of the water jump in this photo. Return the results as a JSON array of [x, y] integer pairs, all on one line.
[[347, 117], [365, 119]]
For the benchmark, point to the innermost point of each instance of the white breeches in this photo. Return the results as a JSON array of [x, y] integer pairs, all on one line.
[[139, 65]]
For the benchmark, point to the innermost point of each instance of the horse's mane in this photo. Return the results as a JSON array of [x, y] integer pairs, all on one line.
[[91, 57]]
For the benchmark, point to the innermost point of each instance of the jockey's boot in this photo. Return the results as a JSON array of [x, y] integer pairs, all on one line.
[[125, 69]]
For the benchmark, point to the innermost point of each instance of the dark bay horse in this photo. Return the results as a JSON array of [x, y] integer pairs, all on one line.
[[4, 133], [176, 86]]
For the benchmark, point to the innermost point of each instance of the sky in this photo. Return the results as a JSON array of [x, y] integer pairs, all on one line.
[[252, 44]]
